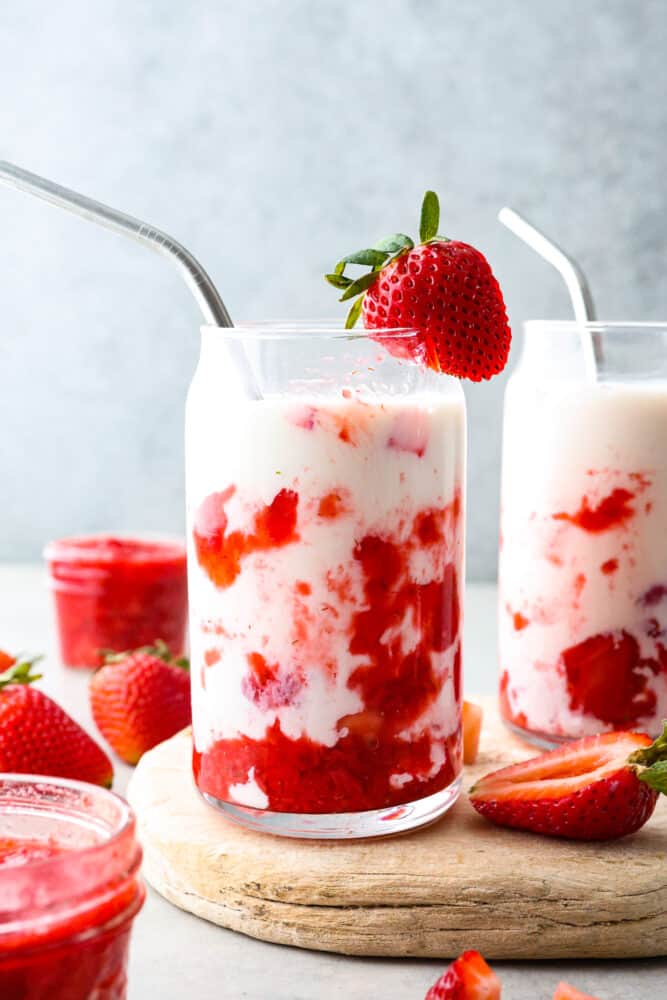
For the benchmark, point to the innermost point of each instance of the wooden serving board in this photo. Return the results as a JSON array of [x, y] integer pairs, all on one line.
[[459, 884]]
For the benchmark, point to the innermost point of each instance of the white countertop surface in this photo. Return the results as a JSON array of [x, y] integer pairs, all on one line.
[[175, 955]]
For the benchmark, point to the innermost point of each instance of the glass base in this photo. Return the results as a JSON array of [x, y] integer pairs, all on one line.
[[545, 741], [343, 826]]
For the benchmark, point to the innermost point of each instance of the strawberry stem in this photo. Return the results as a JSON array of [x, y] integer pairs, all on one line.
[[651, 762], [20, 673]]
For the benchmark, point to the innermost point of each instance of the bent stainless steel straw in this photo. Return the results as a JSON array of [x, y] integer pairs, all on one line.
[[573, 276], [206, 294]]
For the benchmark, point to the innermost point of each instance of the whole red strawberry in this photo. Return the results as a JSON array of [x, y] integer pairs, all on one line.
[[468, 978], [597, 788], [38, 737], [442, 288], [139, 699]]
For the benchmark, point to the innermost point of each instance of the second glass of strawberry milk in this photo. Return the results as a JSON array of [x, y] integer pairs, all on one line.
[[326, 535], [583, 563]]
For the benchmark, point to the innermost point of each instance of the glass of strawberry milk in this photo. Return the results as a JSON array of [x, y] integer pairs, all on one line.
[[326, 533], [583, 559]]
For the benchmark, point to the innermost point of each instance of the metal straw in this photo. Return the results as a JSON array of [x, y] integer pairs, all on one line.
[[206, 294], [573, 276]]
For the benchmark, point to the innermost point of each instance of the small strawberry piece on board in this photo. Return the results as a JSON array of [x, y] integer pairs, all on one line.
[[597, 788], [443, 289], [37, 736], [468, 978], [472, 727], [566, 992], [138, 699]]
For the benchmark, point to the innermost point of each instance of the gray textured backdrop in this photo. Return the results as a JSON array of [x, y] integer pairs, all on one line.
[[270, 136]]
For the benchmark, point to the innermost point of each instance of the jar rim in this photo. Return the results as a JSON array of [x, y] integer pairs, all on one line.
[[302, 328], [115, 855], [107, 548]]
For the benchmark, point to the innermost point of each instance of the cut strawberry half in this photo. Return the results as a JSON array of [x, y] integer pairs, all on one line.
[[468, 978], [443, 289], [472, 726], [597, 788], [566, 992]]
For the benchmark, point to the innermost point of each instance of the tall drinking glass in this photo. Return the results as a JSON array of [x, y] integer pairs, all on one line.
[[583, 563], [326, 533]]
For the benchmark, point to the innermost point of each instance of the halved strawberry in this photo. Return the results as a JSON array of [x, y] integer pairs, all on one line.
[[566, 992], [468, 978], [444, 289], [472, 727], [596, 788]]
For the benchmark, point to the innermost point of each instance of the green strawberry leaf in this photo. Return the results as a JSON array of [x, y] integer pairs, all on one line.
[[21, 672], [430, 217], [394, 243], [657, 751], [372, 257], [379, 256], [338, 280], [354, 312], [655, 776], [360, 285], [652, 762], [160, 650]]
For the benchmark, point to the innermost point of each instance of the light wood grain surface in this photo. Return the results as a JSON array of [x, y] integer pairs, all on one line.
[[458, 884]]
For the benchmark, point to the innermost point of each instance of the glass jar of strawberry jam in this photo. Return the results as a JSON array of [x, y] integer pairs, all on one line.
[[326, 524], [68, 889], [116, 593]]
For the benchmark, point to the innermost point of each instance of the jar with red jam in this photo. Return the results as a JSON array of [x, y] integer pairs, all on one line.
[[325, 533], [68, 889], [115, 593]]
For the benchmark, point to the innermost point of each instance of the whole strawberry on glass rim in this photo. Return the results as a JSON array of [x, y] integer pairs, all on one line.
[[442, 288], [596, 788]]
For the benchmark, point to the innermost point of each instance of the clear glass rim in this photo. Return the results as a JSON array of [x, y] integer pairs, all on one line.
[[123, 827], [300, 329], [595, 326]]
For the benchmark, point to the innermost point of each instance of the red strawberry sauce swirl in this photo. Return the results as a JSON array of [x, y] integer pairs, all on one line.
[[610, 676], [220, 553], [610, 512], [400, 632]]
